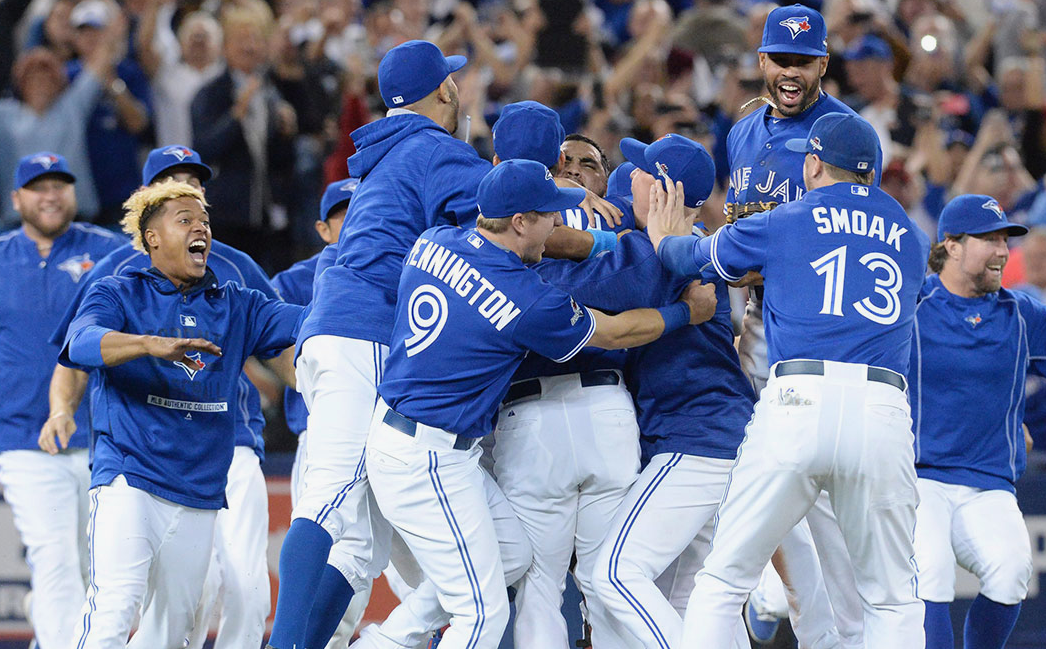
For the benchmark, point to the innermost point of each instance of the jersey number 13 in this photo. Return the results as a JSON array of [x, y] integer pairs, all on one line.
[[833, 267]]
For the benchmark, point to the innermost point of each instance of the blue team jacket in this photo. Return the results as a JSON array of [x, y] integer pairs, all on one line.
[[167, 427], [413, 176]]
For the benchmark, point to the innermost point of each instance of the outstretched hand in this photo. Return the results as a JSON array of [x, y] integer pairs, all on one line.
[[667, 214], [177, 349]]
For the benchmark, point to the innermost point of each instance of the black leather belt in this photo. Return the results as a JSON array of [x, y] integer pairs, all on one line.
[[877, 374], [532, 387], [407, 426]]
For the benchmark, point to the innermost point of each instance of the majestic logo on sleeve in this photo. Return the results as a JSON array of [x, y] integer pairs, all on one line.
[[192, 370], [974, 319], [77, 266], [796, 26], [45, 161], [994, 206], [179, 152]]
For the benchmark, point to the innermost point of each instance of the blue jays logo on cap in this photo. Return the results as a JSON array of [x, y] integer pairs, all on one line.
[[179, 152], [337, 194], [994, 206], [796, 26], [43, 163], [45, 160]]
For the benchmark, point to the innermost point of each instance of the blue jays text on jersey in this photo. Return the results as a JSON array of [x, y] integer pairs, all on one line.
[[577, 218], [761, 168], [690, 393], [467, 313], [166, 427], [413, 175], [969, 361], [228, 265], [34, 293], [838, 289]]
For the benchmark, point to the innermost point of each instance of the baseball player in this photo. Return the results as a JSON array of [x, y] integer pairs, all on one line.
[[165, 445], [693, 403], [413, 174], [763, 173], [295, 286], [238, 573], [41, 264], [974, 344], [843, 267], [468, 311]]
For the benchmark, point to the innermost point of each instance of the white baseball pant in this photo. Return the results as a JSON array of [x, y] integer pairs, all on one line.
[[824, 606], [841, 432], [145, 551], [338, 378], [341, 552], [437, 498], [48, 498], [981, 529], [671, 504], [565, 460]]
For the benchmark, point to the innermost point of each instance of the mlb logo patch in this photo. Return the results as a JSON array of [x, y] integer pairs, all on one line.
[[475, 240], [862, 166], [398, 99], [187, 320], [796, 26], [859, 190]]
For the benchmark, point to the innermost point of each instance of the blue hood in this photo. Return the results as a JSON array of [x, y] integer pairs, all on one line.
[[375, 140]]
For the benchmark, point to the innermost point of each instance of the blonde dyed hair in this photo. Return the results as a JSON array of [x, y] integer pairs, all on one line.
[[147, 203]]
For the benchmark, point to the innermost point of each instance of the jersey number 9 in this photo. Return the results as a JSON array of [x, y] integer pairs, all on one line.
[[426, 314]]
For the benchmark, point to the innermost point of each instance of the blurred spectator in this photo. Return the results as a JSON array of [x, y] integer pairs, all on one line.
[[177, 73], [53, 30], [1023, 97], [50, 114], [118, 125], [1033, 248], [244, 129], [10, 13], [993, 167]]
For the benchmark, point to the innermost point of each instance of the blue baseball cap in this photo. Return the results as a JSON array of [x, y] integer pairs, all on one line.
[[524, 186], [39, 164], [165, 157], [840, 139], [620, 181], [528, 130], [869, 47], [680, 159], [410, 71], [337, 194], [796, 29], [975, 214]]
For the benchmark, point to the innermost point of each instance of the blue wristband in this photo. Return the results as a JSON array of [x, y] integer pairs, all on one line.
[[675, 316], [603, 241]]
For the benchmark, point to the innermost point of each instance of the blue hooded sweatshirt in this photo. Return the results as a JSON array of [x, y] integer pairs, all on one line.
[[413, 176]]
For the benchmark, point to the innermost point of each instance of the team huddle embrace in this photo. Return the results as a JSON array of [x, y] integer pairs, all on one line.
[[490, 399]]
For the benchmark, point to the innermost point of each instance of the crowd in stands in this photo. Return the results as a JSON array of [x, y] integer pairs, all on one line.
[[269, 93]]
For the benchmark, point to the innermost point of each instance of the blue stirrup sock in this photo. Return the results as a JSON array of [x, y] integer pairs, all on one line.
[[332, 599], [302, 561], [989, 623], [938, 625]]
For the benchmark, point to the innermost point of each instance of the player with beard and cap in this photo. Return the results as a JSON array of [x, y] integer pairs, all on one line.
[[975, 344], [42, 264], [793, 57], [413, 175]]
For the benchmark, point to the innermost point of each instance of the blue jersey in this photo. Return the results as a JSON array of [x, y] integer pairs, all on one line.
[[167, 427], [228, 265], [468, 311], [34, 293], [842, 268], [535, 365], [295, 287], [690, 393], [970, 358], [413, 175], [761, 168]]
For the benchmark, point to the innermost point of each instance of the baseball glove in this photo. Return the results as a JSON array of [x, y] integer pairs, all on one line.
[[735, 211]]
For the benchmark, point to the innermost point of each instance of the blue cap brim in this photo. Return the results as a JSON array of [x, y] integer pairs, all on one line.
[[203, 170], [455, 62], [65, 175], [1013, 229], [635, 152], [792, 49], [797, 144], [565, 199]]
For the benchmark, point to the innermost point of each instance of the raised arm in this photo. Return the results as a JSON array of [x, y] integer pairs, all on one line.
[[641, 326]]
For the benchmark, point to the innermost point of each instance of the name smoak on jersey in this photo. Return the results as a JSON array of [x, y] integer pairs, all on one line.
[[464, 280], [838, 220]]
